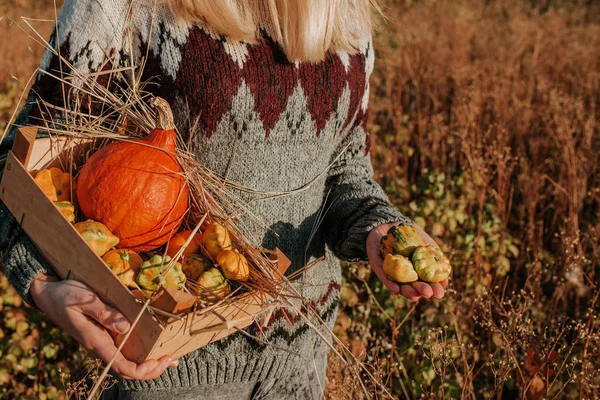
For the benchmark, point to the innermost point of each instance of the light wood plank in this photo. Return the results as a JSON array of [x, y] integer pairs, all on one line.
[[183, 337]]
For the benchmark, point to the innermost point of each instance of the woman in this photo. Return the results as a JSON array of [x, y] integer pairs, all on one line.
[[269, 92]]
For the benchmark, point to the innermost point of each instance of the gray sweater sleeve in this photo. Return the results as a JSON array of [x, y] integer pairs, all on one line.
[[355, 203]]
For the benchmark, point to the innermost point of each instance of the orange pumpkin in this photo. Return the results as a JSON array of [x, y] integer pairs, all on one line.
[[137, 187], [55, 183], [176, 243]]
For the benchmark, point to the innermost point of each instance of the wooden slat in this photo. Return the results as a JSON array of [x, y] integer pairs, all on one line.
[[45, 153], [57, 152], [68, 254], [283, 263], [183, 337], [174, 301], [24, 141]]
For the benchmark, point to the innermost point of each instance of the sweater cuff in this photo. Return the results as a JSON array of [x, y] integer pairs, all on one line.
[[354, 247], [22, 264]]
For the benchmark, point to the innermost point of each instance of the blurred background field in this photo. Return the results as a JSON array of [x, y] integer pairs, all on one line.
[[485, 123]]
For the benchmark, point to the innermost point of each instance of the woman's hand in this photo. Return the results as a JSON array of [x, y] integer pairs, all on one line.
[[75, 308], [412, 291]]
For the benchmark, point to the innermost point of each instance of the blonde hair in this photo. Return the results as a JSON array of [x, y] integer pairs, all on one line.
[[306, 29]]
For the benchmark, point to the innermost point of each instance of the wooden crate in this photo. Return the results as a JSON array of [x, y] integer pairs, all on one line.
[[72, 258]]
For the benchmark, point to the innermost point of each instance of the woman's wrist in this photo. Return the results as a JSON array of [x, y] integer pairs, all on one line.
[[39, 283]]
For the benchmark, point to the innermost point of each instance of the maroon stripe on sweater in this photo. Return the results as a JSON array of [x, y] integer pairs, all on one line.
[[323, 85], [293, 318], [272, 80], [208, 78], [357, 79]]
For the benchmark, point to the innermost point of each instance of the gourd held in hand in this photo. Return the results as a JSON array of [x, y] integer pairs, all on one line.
[[406, 260], [431, 264], [401, 240], [399, 269]]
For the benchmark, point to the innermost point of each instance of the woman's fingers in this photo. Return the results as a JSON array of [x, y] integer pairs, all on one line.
[[150, 369], [393, 287], [438, 290], [78, 296], [409, 292], [76, 309], [424, 289], [106, 316], [100, 343]]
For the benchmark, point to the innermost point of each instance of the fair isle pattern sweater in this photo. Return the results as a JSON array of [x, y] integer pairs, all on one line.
[[290, 121]]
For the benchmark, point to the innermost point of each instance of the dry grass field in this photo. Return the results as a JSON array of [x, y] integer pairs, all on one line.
[[485, 120]]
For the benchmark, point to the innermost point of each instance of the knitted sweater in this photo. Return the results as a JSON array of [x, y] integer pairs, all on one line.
[[274, 125]]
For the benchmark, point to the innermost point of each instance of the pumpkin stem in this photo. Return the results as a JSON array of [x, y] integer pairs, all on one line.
[[163, 113]]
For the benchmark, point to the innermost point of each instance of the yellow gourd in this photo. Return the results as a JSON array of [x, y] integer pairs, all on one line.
[[216, 238], [67, 209], [125, 264], [97, 236], [431, 264], [399, 269], [55, 183], [212, 285], [234, 265]]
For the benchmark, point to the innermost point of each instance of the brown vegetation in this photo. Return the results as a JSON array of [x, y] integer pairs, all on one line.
[[485, 123]]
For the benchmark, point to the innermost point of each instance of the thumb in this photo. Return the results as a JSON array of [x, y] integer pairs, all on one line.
[[107, 316]]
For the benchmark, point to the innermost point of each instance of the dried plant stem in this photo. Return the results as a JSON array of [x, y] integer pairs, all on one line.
[[164, 313], [112, 360], [13, 115]]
